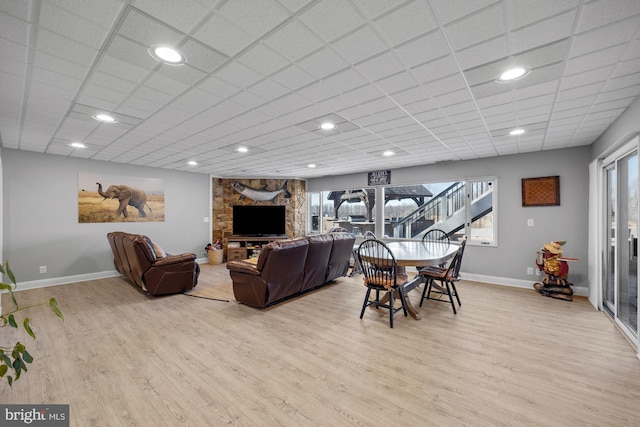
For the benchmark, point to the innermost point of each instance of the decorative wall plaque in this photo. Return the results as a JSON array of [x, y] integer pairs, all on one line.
[[543, 191], [379, 178]]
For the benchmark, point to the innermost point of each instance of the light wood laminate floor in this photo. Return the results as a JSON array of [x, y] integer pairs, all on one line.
[[510, 357]]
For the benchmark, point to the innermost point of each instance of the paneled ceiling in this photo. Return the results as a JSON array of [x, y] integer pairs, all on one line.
[[416, 77]]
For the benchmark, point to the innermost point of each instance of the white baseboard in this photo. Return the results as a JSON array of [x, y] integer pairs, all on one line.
[[54, 281], [504, 281], [516, 283]]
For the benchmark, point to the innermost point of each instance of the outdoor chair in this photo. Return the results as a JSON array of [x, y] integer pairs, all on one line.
[[446, 290], [380, 271]]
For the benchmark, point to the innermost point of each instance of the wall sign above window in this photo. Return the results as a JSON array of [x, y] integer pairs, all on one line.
[[379, 178]]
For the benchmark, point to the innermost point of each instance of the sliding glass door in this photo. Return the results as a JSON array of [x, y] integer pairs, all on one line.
[[620, 284]]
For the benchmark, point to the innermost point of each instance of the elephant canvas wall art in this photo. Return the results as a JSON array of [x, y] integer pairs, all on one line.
[[112, 198]]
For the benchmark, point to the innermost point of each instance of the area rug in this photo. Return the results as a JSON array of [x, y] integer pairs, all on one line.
[[213, 283]]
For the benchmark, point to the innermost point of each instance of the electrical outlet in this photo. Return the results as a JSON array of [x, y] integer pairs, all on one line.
[[43, 269], [530, 271]]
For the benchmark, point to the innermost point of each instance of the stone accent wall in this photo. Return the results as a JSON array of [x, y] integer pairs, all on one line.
[[225, 197]]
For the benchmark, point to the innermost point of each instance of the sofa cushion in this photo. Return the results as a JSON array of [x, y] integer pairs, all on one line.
[[315, 268]]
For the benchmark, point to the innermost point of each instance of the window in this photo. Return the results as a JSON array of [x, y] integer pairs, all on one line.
[[464, 207]]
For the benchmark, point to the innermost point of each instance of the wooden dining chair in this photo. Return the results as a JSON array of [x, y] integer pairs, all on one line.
[[380, 270], [369, 235], [435, 235], [447, 276]]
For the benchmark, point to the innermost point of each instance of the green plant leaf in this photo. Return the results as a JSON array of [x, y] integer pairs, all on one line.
[[5, 287], [3, 370], [12, 321], [10, 274], [27, 357], [27, 328], [10, 380], [54, 306], [5, 358]]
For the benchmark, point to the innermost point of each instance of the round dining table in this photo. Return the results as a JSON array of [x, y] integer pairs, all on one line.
[[416, 253]]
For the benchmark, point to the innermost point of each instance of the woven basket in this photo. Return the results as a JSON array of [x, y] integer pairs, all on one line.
[[215, 257]]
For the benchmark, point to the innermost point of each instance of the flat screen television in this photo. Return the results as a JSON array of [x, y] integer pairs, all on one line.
[[259, 220]]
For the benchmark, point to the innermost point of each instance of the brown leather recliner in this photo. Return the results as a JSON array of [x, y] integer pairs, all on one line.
[[286, 268], [277, 274], [341, 251], [137, 258], [315, 268]]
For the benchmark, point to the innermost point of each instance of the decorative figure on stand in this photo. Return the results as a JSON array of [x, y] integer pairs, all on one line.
[[551, 262]]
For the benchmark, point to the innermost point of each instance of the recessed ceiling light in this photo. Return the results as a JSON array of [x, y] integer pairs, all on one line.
[[105, 118], [167, 55], [516, 132], [192, 163], [311, 165], [513, 74], [242, 150], [327, 126], [77, 145], [388, 153]]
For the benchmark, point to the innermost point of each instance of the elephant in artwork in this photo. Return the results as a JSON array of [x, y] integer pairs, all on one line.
[[128, 196]]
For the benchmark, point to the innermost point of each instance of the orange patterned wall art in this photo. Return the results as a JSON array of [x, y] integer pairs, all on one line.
[[543, 191]]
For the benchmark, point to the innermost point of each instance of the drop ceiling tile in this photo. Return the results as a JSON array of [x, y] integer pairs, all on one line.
[[593, 60], [103, 13], [255, 17], [263, 60], [100, 92], [293, 40], [322, 63], [523, 13], [65, 23], [406, 23], [268, 89], [604, 37], [293, 77], [422, 49], [100, 103], [396, 83], [181, 15], [331, 19], [481, 26], [14, 29], [183, 74], [223, 36], [451, 10], [542, 33], [239, 75], [218, 87], [247, 99], [486, 52], [435, 69], [201, 56], [63, 47], [359, 45], [121, 69], [598, 13], [195, 100], [588, 77], [130, 52], [629, 80], [147, 31], [166, 84]]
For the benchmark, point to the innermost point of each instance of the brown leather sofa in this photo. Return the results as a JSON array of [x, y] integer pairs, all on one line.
[[286, 268], [145, 264]]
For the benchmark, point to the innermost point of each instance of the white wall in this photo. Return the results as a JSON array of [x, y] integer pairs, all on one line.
[[517, 243], [40, 216]]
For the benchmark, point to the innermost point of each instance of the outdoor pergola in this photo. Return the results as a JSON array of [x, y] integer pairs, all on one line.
[[417, 193]]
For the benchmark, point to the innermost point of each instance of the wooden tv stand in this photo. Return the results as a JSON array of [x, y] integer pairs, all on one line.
[[242, 247]]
